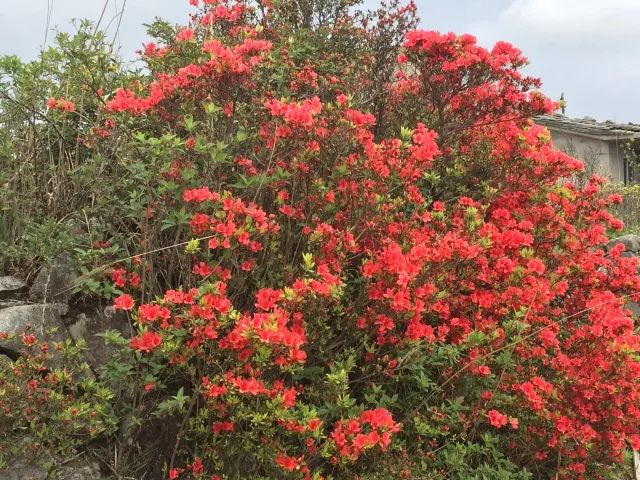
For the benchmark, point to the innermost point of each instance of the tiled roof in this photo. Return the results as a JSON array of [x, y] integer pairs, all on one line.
[[588, 126]]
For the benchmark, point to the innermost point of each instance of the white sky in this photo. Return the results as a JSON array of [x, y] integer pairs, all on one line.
[[588, 49]]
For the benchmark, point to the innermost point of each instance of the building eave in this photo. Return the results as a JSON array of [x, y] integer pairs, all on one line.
[[589, 128], [605, 138]]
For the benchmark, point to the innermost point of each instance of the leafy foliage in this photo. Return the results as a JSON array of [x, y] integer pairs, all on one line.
[[351, 253]]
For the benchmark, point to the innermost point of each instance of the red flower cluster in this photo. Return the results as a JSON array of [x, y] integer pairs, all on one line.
[[300, 115], [146, 342], [351, 439], [497, 419], [124, 302], [61, 104]]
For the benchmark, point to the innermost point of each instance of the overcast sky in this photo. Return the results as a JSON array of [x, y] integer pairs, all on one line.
[[588, 49]]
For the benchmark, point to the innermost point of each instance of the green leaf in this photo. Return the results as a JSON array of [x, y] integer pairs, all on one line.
[[189, 123], [241, 135]]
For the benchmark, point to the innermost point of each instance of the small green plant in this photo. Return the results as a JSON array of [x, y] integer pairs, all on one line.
[[50, 403]]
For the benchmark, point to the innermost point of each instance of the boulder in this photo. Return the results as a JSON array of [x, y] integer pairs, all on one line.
[[10, 302], [631, 243], [24, 471], [44, 469], [96, 320], [10, 286], [79, 470], [55, 282], [45, 320]]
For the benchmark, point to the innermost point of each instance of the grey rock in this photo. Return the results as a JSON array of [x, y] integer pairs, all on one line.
[[631, 243], [55, 282], [45, 320], [44, 469], [7, 303], [94, 321], [10, 285], [79, 470], [24, 466], [22, 471]]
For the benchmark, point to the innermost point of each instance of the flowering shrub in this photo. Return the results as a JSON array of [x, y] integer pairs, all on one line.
[[369, 272], [61, 406]]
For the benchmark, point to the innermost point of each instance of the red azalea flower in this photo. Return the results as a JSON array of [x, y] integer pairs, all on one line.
[[497, 419], [124, 302], [287, 463], [146, 342]]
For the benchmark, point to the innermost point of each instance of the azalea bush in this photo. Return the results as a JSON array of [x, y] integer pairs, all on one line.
[[353, 254]]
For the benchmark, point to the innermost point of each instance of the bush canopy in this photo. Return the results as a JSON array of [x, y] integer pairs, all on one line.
[[347, 250]]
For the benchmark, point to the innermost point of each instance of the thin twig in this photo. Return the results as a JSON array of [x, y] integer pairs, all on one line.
[[131, 257], [194, 399]]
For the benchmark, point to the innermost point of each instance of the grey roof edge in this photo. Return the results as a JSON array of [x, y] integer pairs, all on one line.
[[589, 127]]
